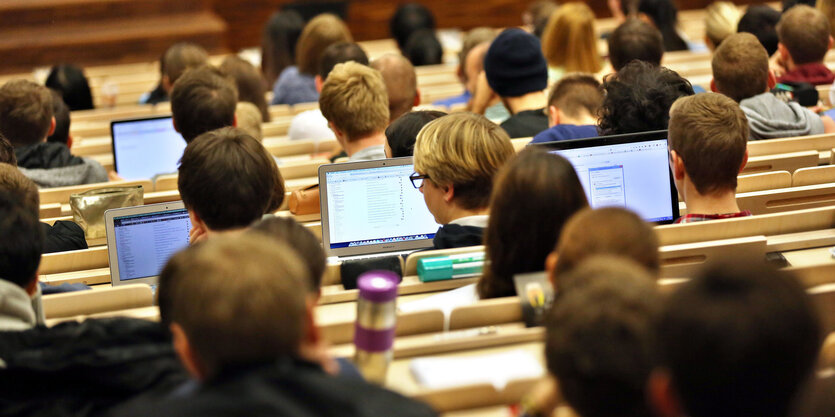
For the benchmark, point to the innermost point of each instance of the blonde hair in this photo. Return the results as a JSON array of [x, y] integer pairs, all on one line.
[[569, 40], [464, 150], [354, 99], [721, 20], [322, 31], [827, 7]]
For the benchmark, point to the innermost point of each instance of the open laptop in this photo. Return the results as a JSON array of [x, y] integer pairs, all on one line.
[[141, 239], [146, 147], [371, 208], [630, 170]]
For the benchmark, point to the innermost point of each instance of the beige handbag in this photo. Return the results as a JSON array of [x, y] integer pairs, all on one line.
[[304, 201], [88, 207]]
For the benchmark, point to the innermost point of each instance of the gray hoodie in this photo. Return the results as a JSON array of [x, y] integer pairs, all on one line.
[[770, 117], [18, 311]]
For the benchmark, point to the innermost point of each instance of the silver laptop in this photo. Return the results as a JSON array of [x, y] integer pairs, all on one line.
[[146, 147], [371, 209], [141, 239]]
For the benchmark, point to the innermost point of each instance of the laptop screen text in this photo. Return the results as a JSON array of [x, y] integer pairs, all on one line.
[[144, 242]]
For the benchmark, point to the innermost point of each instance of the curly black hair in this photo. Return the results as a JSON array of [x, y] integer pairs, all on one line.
[[639, 97]]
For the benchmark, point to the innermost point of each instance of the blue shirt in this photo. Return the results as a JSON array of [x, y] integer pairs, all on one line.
[[462, 99], [293, 87], [566, 132]]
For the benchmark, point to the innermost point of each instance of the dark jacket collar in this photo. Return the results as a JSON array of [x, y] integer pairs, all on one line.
[[45, 155]]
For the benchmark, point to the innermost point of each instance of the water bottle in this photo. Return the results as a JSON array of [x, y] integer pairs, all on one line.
[[375, 325]]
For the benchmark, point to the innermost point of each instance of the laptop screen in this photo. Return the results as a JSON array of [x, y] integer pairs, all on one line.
[[144, 242], [625, 173], [375, 206], [145, 148]]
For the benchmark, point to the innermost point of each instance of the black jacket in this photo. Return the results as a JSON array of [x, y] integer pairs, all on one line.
[[45, 155], [288, 387], [84, 369], [63, 236], [456, 236], [526, 123]]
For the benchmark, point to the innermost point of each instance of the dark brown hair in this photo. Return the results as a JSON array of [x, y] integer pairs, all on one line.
[[25, 112], [203, 99], [576, 92], [300, 238], [534, 195], [740, 67], [633, 40], [7, 155], [250, 85], [21, 187], [181, 57], [278, 43], [804, 31]]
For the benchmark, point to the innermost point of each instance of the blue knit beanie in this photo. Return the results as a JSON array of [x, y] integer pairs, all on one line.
[[514, 64]]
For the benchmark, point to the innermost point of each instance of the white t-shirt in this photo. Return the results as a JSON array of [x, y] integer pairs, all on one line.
[[310, 125]]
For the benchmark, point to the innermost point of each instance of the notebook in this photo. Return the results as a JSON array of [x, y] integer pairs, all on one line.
[[631, 171], [371, 208], [141, 239], [147, 147]]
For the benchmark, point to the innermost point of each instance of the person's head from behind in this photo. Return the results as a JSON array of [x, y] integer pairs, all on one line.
[[203, 99], [638, 98], [761, 21], [721, 20], [72, 83], [408, 19], [424, 48], [575, 99], [536, 16], [514, 64], [178, 59], [320, 32], [804, 36], [569, 41], [663, 14], [250, 85], [634, 40], [308, 246], [7, 155], [534, 194], [599, 338], [278, 43], [25, 112], [354, 101], [402, 133], [337, 54], [610, 231], [61, 112], [738, 339], [459, 155], [708, 140], [228, 180], [401, 83], [218, 327], [473, 38], [22, 243], [474, 65], [740, 68]]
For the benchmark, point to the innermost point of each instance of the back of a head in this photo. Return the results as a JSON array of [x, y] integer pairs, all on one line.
[[7, 155], [740, 67], [72, 83], [424, 48], [181, 57], [248, 119], [300, 238], [633, 40], [606, 231], [599, 338], [514, 64], [402, 133], [19, 186], [278, 43], [638, 98], [739, 339], [709, 132], [202, 100], [664, 15], [339, 53], [322, 31], [249, 83], [354, 99], [401, 83], [240, 300], [804, 31], [575, 94], [22, 242], [761, 21], [408, 19], [473, 38], [551, 192], [464, 150], [537, 14], [721, 20], [228, 179], [61, 112], [25, 112], [569, 40]]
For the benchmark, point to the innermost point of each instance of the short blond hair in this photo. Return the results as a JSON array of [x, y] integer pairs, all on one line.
[[569, 40], [464, 150], [354, 99], [321, 32], [721, 20]]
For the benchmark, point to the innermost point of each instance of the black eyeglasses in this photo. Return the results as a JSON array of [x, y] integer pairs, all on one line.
[[417, 179]]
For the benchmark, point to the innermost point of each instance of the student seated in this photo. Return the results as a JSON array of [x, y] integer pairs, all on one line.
[[456, 160], [408, 19], [708, 150], [248, 82], [26, 120], [61, 113], [468, 69], [741, 338], [176, 60], [424, 48], [804, 40], [227, 181], [534, 194], [517, 72], [20, 255], [203, 99], [761, 20], [721, 19], [572, 109], [401, 83], [633, 40], [402, 133], [71, 82], [638, 98], [355, 103], [300, 238], [663, 14], [254, 346], [278, 43], [740, 71], [569, 42]]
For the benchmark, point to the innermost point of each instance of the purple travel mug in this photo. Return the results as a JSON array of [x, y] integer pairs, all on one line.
[[376, 319]]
